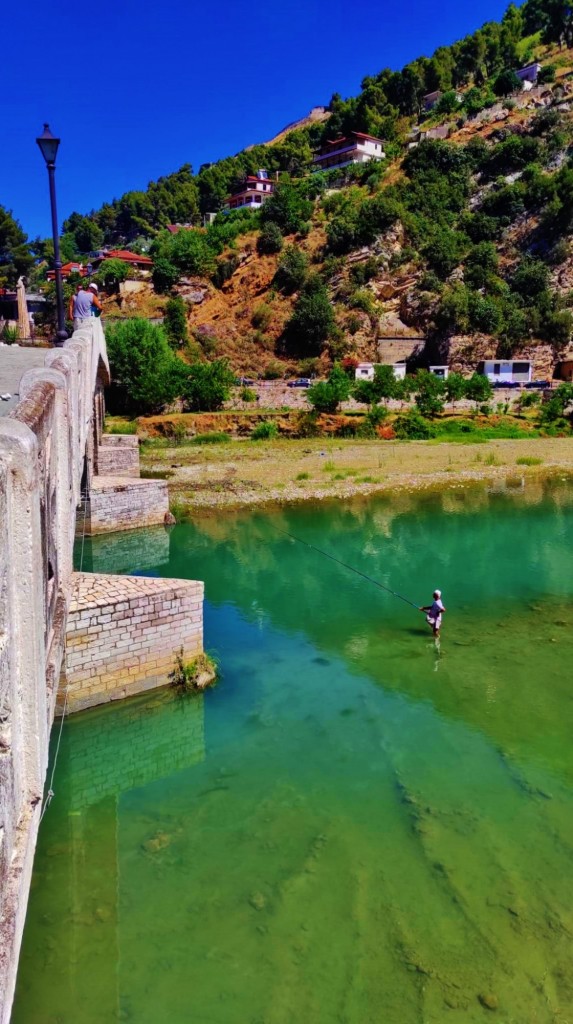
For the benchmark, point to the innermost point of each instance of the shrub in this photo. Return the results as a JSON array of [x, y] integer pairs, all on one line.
[[445, 250], [547, 74], [270, 239], [506, 83], [175, 322], [291, 271], [224, 270], [10, 335], [265, 431], [353, 323], [274, 371], [146, 375], [247, 395], [412, 426], [208, 385], [262, 316], [326, 395], [362, 299], [528, 460]]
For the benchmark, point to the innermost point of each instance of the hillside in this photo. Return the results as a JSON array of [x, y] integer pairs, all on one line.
[[461, 242]]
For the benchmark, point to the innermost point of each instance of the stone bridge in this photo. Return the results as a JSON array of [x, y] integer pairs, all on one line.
[[68, 637]]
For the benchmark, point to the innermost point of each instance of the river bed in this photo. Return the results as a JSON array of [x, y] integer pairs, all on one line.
[[356, 826]]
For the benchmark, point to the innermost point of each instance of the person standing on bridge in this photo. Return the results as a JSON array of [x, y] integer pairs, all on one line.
[[81, 306]]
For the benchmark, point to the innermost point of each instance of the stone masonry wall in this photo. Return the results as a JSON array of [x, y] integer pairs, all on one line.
[[118, 503], [118, 455], [123, 633]]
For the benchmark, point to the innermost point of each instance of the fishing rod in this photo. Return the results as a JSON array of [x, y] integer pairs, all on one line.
[[346, 566]]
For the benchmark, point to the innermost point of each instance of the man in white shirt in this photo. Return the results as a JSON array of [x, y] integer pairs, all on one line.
[[435, 612]]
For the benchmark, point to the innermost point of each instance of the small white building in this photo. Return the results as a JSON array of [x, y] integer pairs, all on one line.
[[509, 371], [399, 370], [440, 371], [354, 148], [364, 371]]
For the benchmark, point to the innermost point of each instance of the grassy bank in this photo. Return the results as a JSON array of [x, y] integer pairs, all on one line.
[[241, 473]]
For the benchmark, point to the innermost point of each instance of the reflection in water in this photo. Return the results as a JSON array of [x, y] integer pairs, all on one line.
[[363, 827]]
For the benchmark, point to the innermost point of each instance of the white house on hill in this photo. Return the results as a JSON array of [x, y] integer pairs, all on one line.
[[252, 193], [354, 148]]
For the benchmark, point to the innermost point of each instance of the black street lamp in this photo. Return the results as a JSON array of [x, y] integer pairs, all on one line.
[[49, 148]]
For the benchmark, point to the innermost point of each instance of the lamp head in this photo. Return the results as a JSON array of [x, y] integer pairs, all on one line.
[[48, 145]]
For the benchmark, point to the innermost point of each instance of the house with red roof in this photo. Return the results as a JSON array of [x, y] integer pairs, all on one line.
[[67, 269], [354, 148], [143, 264], [252, 193]]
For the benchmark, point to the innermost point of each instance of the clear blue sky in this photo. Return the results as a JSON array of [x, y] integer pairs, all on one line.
[[134, 90]]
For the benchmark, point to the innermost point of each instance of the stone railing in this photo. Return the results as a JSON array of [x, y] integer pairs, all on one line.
[[47, 450]]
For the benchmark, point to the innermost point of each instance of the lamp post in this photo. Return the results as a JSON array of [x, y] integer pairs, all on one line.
[[49, 147]]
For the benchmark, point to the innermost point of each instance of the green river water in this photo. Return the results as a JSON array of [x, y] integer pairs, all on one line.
[[353, 827]]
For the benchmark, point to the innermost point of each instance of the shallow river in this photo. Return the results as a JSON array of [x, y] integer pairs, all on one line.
[[354, 827]]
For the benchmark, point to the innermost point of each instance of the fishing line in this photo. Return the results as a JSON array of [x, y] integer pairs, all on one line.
[[346, 566]]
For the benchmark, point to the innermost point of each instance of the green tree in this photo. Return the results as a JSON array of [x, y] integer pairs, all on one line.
[[479, 389], [312, 321], [429, 393], [175, 322], [146, 375], [326, 395], [111, 273], [208, 385], [164, 274], [15, 256], [455, 387], [288, 208], [506, 83], [291, 271]]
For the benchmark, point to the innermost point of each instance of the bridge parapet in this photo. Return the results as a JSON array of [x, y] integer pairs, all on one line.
[[47, 447]]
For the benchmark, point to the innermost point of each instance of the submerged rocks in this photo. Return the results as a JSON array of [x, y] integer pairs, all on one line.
[[488, 1000], [156, 843], [257, 901]]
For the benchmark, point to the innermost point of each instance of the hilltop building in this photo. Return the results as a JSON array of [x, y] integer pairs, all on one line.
[[252, 193], [354, 148], [141, 263]]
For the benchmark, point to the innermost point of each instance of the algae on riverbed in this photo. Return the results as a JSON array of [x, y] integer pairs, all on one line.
[[355, 825]]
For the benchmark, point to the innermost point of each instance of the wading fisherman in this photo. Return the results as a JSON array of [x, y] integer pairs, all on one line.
[[435, 612]]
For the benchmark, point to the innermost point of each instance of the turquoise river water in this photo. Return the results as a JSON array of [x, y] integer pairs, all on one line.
[[353, 827]]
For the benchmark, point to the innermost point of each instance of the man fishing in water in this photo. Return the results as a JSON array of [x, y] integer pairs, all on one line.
[[435, 612]]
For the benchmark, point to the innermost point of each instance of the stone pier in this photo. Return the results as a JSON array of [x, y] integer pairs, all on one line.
[[122, 635]]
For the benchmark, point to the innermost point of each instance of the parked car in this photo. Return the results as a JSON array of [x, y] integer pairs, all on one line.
[[301, 382], [541, 385], [511, 384], [245, 381]]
